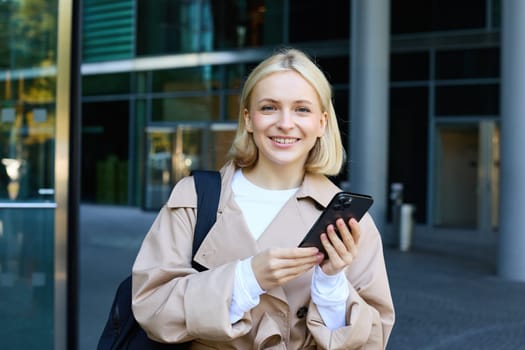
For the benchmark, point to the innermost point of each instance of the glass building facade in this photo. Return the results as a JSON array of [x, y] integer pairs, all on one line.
[[36, 50], [160, 83], [168, 103]]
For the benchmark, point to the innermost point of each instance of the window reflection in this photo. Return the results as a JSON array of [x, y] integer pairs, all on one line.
[[186, 108], [28, 85], [26, 278], [174, 152], [27, 38], [187, 79], [179, 26], [27, 120], [28, 71]]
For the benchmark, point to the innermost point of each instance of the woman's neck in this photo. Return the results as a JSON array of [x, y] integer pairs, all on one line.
[[274, 178]]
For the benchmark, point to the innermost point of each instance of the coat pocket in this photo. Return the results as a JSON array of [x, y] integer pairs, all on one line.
[[269, 334]]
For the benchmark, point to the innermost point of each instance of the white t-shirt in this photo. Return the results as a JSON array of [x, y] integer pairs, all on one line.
[[259, 205]]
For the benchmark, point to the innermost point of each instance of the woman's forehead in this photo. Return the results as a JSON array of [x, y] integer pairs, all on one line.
[[284, 85]]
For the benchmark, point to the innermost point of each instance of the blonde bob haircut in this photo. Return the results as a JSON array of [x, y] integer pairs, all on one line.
[[327, 155]]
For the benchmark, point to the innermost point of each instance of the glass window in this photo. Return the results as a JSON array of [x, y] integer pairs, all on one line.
[[221, 139], [5, 39], [187, 79], [186, 108], [108, 30], [31, 317], [273, 22], [247, 23], [165, 26], [27, 34], [313, 20], [408, 145], [496, 13], [412, 16], [462, 64], [141, 81], [232, 107], [409, 66], [105, 136], [105, 84], [408, 16], [159, 175], [467, 100], [174, 152], [178, 26], [26, 280], [31, 89], [335, 68], [26, 148], [237, 73], [341, 103]]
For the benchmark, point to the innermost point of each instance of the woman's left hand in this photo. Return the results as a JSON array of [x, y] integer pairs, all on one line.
[[342, 248]]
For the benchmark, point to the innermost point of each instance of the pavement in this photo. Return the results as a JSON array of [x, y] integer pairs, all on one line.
[[442, 301]]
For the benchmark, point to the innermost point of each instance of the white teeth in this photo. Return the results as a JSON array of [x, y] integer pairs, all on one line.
[[284, 140]]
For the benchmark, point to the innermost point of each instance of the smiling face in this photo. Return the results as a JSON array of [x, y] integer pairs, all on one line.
[[285, 118]]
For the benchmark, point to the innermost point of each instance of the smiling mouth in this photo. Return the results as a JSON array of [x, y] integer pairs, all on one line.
[[284, 141]]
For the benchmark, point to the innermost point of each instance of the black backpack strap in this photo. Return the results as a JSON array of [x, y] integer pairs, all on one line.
[[208, 187]]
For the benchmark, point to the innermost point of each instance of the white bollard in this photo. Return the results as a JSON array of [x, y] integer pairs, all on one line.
[[406, 227]]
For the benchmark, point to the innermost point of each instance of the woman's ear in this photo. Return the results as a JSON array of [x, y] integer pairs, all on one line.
[[247, 120], [323, 121]]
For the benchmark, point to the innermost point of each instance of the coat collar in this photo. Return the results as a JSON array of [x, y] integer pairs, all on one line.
[[317, 187], [230, 238]]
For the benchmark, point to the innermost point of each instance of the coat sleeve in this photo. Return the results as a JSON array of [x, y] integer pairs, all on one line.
[[370, 311], [170, 300]]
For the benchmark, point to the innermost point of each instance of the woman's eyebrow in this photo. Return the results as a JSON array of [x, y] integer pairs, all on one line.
[[304, 101], [276, 101], [267, 100]]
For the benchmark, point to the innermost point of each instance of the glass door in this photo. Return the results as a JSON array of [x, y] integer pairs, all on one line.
[[173, 152], [466, 190], [30, 315]]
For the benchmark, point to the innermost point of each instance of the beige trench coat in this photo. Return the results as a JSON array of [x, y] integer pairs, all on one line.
[[174, 303]]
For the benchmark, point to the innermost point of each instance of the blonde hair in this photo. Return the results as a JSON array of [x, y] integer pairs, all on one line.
[[327, 155]]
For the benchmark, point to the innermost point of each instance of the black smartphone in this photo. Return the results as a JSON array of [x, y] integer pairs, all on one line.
[[344, 205]]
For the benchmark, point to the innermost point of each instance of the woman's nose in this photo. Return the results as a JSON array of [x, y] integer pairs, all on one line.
[[285, 120]]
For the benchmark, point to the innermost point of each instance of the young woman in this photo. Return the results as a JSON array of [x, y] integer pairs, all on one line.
[[261, 291]]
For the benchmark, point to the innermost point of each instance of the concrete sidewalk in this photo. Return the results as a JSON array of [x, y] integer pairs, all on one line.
[[442, 301]]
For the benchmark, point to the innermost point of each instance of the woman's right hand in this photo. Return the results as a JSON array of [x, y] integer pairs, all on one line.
[[276, 266]]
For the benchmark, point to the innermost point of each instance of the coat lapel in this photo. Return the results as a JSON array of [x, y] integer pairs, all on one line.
[[290, 225], [230, 238]]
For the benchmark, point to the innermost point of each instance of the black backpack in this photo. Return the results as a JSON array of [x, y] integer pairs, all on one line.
[[122, 330]]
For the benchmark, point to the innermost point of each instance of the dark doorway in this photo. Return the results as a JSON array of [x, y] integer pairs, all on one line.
[[105, 152]]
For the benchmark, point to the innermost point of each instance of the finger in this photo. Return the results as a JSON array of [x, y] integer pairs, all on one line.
[[334, 263], [347, 237], [333, 245], [345, 246], [356, 229], [286, 272], [334, 236], [282, 259], [293, 253], [344, 241], [271, 272]]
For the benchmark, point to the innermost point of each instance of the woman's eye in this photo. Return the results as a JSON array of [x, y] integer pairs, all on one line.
[[303, 109], [267, 108]]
